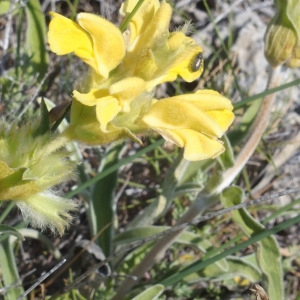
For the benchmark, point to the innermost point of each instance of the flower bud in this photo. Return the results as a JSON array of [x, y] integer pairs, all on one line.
[[282, 35], [30, 165]]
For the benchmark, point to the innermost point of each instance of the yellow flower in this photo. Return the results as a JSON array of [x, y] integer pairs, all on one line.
[[193, 121], [86, 127], [141, 19], [149, 50], [113, 100], [95, 40], [121, 105], [29, 166], [155, 54]]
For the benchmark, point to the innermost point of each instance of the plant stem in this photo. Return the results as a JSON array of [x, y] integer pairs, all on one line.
[[258, 128], [158, 250]]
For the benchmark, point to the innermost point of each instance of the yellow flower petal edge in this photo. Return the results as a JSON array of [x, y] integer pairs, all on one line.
[[85, 126], [194, 119], [142, 17], [209, 99], [157, 30], [197, 146], [95, 40], [108, 42], [106, 111], [66, 36], [155, 54], [124, 90]]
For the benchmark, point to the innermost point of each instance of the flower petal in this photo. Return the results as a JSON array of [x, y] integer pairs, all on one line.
[[192, 121], [92, 97], [153, 53], [141, 18], [127, 90], [106, 110], [66, 36], [124, 90], [197, 146], [96, 41], [157, 30], [174, 114], [108, 42]]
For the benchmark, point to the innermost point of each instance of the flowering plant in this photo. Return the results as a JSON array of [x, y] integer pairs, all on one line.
[[116, 98]]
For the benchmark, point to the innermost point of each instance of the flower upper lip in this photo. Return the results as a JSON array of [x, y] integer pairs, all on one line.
[[102, 46]]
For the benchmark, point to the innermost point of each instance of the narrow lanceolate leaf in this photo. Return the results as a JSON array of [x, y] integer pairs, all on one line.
[[151, 293], [44, 126], [103, 205], [226, 159], [36, 37], [10, 275], [236, 267], [267, 254], [5, 229]]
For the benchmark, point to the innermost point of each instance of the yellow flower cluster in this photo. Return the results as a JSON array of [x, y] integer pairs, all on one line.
[[116, 99]]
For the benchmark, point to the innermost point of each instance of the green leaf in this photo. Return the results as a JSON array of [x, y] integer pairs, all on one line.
[[176, 183], [201, 264], [72, 147], [150, 293], [102, 205], [114, 168], [186, 238], [9, 271], [236, 267], [292, 11], [138, 233], [13, 177], [35, 234], [268, 254], [4, 6], [5, 229], [149, 213], [237, 135], [44, 125], [134, 258], [189, 170], [227, 157], [36, 37], [281, 87]]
